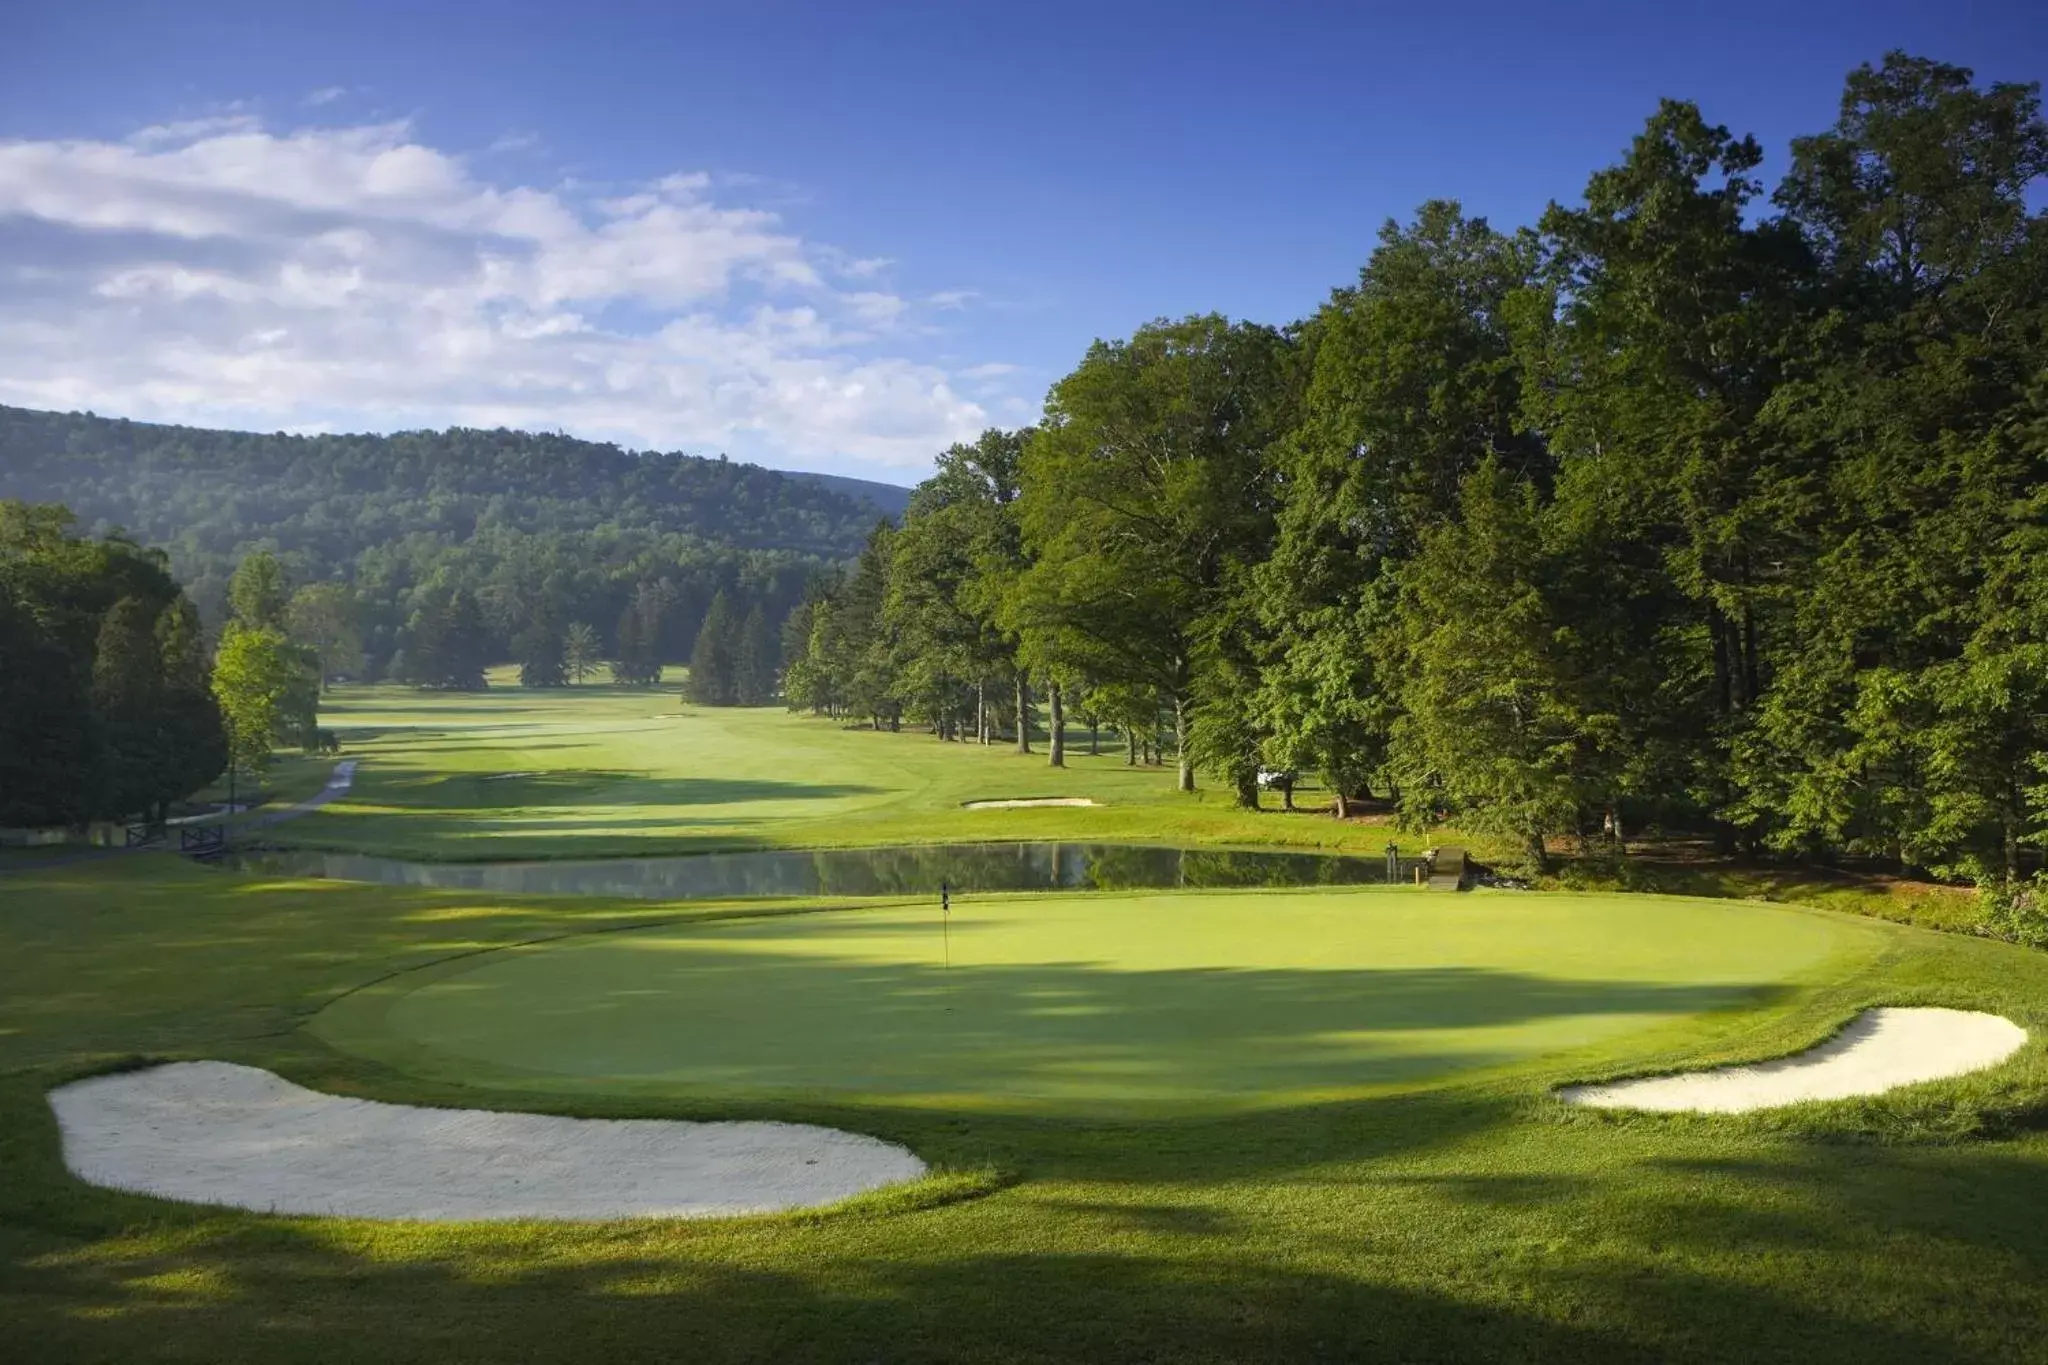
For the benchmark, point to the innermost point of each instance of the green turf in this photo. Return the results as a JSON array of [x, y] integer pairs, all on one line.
[[1463, 1216], [1094, 1004], [599, 771]]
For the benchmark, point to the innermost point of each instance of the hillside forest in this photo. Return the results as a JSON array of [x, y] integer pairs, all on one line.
[[498, 540]]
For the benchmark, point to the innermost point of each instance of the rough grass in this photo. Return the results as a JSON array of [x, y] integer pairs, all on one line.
[[1931, 906], [1477, 1219]]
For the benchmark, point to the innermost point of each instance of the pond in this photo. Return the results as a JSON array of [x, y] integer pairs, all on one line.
[[916, 870]]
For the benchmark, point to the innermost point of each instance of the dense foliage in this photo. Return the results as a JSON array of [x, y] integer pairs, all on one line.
[[515, 537], [106, 707], [1684, 507]]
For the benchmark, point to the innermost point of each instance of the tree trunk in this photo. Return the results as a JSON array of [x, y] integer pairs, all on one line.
[[1023, 713], [1130, 746], [1094, 738], [1539, 856], [981, 712], [1180, 745], [1247, 789], [1058, 740], [1343, 806], [1287, 796]]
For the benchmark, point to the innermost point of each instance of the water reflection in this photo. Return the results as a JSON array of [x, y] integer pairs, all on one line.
[[849, 872]]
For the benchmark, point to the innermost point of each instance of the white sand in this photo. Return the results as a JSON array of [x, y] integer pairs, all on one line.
[[1029, 801], [216, 1133], [1880, 1050]]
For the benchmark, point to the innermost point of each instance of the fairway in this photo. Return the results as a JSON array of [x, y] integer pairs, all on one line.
[[1093, 1003], [599, 772]]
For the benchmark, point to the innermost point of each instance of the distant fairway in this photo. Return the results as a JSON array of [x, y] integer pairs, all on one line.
[[1112, 1003], [600, 772]]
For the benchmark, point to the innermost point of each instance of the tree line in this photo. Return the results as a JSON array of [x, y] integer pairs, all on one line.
[[106, 700], [1688, 506]]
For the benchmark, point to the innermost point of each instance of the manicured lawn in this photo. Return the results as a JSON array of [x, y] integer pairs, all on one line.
[[1447, 1209], [1097, 1005], [597, 771]]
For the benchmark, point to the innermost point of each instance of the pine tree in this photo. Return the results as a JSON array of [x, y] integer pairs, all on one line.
[[714, 659], [754, 660], [542, 656]]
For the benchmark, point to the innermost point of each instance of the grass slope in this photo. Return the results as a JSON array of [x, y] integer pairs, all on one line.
[[1475, 1218]]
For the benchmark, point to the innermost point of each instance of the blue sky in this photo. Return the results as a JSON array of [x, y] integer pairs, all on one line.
[[819, 236]]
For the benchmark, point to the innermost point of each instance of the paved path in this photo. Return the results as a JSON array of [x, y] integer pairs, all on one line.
[[337, 786], [338, 783]]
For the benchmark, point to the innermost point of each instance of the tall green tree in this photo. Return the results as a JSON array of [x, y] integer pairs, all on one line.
[[1651, 388], [1904, 722], [1493, 728], [754, 660], [260, 591], [714, 660], [1413, 380], [541, 652], [1146, 488], [258, 678], [323, 618], [956, 563]]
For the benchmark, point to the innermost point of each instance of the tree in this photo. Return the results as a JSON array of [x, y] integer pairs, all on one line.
[[48, 734], [714, 659], [1413, 381], [955, 564], [322, 617], [639, 659], [445, 641], [1143, 492], [541, 652], [580, 651], [754, 660], [259, 591], [192, 735], [258, 679], [1492, 726], [127, 694], [103, 710], [1652, 388]]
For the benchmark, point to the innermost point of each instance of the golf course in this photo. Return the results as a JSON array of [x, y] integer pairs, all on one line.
[[1173, 1122]]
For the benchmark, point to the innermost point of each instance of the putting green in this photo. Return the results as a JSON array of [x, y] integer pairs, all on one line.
[[1096, 1002]]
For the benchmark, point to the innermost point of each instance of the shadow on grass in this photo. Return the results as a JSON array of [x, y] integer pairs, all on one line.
[[485, 792], [724, 1013], [1007, 1279]]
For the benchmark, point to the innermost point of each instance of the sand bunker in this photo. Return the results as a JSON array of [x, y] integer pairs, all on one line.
[[1017, 802], [215, 1133], [1880, 1050]]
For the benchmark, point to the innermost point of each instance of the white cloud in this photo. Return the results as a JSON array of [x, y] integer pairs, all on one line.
[[326, 94], [217, 270]]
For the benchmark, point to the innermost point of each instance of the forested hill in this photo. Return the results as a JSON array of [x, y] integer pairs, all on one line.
[[535, 532], [206, 493], [893, 500]]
